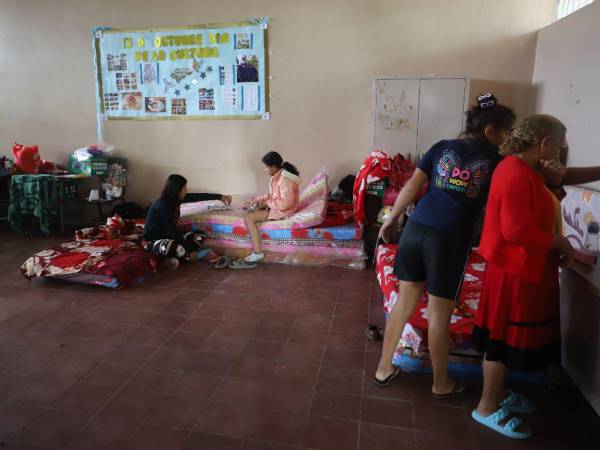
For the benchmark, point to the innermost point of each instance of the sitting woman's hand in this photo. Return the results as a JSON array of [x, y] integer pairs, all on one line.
[[227, 199]]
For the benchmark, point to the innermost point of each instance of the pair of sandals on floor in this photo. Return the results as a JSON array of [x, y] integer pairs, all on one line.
[[249, 262], [499, 421], [237, 264]]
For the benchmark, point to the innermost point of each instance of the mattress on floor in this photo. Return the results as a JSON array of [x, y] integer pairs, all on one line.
[[414, 335], [98, 256], [317, 252], [412, 354], [340, 245], [348, 232]]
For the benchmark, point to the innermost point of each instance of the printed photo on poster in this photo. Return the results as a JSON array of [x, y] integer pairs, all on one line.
[[226, 75], [247, 69], [206, 99], [132, 101], [111, 101], [229, 97], [126, 81], [243, 41], [178, 107], [181, 73], [156, 104], [149, 73], [117, 62], [250, 98]]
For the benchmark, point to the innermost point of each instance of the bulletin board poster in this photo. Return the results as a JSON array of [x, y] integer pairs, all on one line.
[[214, 71]]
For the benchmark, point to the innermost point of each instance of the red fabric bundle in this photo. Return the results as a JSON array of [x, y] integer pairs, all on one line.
[[402, 170], [338, 214], [27, 159], [376, 167]]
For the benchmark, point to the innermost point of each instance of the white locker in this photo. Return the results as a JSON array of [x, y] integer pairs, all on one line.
[[412, 114]]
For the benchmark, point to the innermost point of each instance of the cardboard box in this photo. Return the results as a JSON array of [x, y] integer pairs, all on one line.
[[91, 166], [377, 188]]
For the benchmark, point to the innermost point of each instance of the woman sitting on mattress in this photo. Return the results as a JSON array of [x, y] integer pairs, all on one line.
[[161, 236], [281, 202]]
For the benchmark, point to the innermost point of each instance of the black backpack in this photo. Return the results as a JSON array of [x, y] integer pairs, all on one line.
[[129, 210]]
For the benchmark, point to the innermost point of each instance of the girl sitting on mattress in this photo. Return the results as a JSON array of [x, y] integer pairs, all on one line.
[[162, 237], [281, 202]]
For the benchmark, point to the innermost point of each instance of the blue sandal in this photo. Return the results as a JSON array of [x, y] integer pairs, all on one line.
[[508, 429], [517, 403]]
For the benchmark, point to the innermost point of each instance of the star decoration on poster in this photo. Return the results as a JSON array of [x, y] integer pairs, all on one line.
[[187, 87], [177, 92], [203, 75], [209, 69]]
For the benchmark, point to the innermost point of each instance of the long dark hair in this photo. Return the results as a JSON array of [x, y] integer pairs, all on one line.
[[275, 159], [173, 186], [487, 112]]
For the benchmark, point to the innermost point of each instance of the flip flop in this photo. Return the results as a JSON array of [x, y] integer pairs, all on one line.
[[241, 265], [507, 429], [222, 262], [373, 332], [459, 388], [517, 403], [387, 380]]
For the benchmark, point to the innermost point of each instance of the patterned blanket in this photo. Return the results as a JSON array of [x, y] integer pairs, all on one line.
[[39, 195], [415, 332], [105, 256]]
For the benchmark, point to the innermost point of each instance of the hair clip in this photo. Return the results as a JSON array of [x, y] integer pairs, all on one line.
[[486, 100]]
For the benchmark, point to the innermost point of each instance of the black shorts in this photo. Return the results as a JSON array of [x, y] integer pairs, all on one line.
[[437, 257]]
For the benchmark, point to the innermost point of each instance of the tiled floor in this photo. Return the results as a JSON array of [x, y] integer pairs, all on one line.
[[269, 359]]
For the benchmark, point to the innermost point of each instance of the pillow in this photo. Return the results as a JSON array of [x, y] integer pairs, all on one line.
[[28, 159]]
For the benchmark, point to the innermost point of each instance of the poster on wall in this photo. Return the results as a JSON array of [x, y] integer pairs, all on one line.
[[215, 71]]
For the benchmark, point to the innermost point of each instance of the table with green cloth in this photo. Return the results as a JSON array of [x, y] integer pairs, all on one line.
[[40, 195]]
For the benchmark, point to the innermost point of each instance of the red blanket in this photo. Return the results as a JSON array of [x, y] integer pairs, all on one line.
[[401, 171], [109, 255], [415, 333], [337, 214], [376, 167]]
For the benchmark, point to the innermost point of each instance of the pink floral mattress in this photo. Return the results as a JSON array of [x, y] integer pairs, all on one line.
[[415, 332], [313, 206]]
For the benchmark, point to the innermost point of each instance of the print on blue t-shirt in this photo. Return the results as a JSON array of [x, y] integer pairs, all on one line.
[[452, 176], [459, 173]]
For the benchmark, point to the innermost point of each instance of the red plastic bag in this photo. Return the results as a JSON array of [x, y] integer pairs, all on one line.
[[27, 159]]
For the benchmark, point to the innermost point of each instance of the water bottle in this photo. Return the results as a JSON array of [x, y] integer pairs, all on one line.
[[591, 240]]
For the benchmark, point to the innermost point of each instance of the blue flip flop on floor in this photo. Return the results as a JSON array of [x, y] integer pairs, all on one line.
[[507, 429], [517, 403]]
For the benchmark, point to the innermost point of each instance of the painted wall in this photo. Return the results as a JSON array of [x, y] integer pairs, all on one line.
[[567, 71], [325, 54]]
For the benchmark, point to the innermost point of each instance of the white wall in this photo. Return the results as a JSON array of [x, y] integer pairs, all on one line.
[[325, 55], [567, 79]]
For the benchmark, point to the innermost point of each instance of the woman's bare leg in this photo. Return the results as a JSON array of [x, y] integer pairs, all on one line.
[[252, 220], [408, 299]]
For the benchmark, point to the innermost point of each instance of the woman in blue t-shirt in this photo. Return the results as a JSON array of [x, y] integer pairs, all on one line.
[[436, 240]]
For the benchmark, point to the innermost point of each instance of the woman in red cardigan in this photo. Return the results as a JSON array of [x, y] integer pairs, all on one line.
[[517, 324]]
